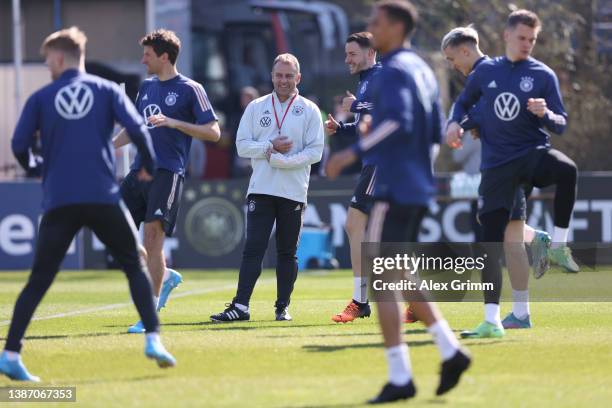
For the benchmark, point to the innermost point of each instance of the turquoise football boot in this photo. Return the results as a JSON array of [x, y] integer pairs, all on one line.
[[15, 370]]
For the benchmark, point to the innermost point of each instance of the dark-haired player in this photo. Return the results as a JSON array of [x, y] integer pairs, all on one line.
[[406, 122], [176, 110], [361, 60]]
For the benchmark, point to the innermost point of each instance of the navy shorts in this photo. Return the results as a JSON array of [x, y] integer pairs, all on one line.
[[362, 199], [158, 199], [508, 186]]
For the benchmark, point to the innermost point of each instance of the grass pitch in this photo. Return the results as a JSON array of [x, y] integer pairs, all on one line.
[[80, 340]]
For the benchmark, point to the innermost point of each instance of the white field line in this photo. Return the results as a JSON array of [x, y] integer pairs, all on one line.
[[120, 305]]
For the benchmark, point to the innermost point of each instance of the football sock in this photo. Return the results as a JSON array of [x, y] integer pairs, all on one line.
[[445, 339], [559, 238], [398, 363], [240, 307], [520, 303], [492, 314], [360, 289]]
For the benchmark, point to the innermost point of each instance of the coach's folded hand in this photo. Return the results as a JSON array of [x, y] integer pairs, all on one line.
[[282, 144], [331, 125], [453, 135]]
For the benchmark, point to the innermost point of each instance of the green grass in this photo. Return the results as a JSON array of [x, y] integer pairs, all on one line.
[[565, 360]]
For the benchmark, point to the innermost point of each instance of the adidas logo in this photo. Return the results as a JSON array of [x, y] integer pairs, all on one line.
[[158, 212], [267, 112], [298, 208], [353, 199], [145, 98], [492, 84], [233, 315]]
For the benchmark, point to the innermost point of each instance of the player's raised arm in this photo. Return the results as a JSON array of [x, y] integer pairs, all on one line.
[[23, 137], [207, 126], [468, 97], [313, 147], [555, 116], [134, 127]]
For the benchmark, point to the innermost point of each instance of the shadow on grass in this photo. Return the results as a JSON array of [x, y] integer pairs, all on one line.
[[431, 401], [122, 380], [321, 335], [66, 336], [245, 325], [322, 348], [351, 334], [339, 405], [484, 342]]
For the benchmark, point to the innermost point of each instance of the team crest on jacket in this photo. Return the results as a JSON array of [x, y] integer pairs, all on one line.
[[298, 110], [526, 84], [251, 206], [171, 98], [265, 121]]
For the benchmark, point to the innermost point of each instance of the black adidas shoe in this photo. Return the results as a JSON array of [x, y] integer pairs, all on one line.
[[452, 370], [392, 393], [281, 311], [230, 314]]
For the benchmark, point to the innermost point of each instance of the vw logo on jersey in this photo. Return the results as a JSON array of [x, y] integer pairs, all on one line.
[[171, 98], [265, 121], [526, 84], [150, 110], [74, 101], [507, 106], [298, 110]]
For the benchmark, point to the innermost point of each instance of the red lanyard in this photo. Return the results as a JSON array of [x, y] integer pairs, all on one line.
[[280, 125]]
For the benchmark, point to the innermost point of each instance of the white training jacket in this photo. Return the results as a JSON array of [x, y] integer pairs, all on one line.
[[286, 175]]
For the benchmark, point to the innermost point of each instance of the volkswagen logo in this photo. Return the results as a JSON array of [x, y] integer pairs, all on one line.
[[265, 121], [507, 106], [74, 101], [150, 110]]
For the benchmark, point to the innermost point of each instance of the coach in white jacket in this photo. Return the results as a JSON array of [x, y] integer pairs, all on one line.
[[282, 134]]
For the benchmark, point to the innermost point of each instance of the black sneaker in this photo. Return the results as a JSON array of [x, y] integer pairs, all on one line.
[[452, 370], [281, 311], [392, 393], [230, 314]]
